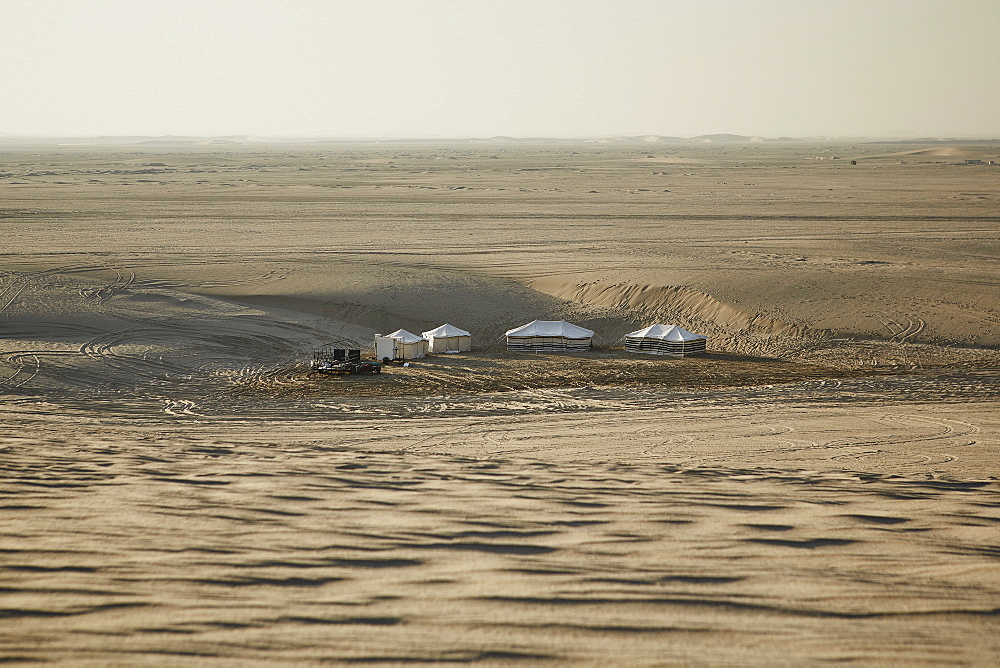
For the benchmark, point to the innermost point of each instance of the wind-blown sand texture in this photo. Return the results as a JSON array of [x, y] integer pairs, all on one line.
[[176, 487]]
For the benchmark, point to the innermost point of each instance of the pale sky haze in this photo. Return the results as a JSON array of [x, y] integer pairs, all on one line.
[[472, 68]]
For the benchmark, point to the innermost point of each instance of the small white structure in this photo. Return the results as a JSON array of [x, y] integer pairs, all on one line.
[[549, 336], [400, 345], [665, 340], [448, 339]]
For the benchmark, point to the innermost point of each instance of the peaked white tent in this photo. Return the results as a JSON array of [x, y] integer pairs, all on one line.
[[665, 340], [549, 336], [448, 339], [400, 345]]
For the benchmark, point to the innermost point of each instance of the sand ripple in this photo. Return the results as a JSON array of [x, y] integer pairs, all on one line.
[[209, 549]]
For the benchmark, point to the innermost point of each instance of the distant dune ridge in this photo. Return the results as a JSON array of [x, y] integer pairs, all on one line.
[[625, 139], [960, 151]]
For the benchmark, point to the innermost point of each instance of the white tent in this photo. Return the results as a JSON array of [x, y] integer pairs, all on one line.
[[402, 345], [665, 340], [549, 336], [448, 339]]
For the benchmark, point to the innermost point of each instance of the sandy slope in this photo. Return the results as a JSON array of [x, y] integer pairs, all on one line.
[[176, 488]]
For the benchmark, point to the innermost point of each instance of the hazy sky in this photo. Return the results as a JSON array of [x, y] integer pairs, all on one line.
[[498, 67]]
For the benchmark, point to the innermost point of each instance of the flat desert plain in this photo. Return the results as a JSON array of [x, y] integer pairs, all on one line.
[[177, 488]]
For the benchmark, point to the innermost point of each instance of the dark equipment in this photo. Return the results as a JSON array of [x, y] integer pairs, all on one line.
[[339, 355], [332, 360]]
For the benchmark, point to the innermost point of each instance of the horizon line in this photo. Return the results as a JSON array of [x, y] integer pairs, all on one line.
[[646, 136]]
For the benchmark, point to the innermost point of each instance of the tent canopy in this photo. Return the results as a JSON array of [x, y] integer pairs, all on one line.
[[401, 344], [551, 328], [405, 336], [665, 333], [448, 339], [445, 330], [665, 340]]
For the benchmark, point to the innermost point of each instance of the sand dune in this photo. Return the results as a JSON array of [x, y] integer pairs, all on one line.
[[176, 487], [690, 304], [976, 152]]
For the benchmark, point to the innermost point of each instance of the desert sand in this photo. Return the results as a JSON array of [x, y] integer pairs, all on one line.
[[823, 486]]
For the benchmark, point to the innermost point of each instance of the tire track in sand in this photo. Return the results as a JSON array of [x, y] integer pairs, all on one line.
[[877, 447]]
